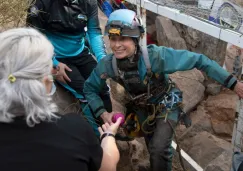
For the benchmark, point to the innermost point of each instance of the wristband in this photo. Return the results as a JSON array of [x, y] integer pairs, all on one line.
[[105, 135], [233, 85]]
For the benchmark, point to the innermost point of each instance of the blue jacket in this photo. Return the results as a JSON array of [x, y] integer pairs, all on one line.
[[163, 61], [64, 24]]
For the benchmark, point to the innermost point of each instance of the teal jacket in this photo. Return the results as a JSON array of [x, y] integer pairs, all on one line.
[[163, 61]]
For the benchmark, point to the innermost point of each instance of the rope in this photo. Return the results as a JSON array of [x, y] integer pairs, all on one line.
[[178, 149], [147, 121]]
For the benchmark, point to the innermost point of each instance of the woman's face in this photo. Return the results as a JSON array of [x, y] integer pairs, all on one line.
[[122, 47]]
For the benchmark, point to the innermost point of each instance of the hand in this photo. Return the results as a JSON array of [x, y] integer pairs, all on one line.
[[110, 128], [239, 89], [62, 76], [54, 71], [107, 117]]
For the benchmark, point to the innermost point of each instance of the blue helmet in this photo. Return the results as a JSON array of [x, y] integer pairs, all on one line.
[[124, 22]]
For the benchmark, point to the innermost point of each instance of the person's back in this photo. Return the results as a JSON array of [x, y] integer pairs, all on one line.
[[33, 136], [68, 143]]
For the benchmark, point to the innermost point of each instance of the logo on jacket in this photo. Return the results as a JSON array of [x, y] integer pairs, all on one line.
[[82, 17], [34, 11]]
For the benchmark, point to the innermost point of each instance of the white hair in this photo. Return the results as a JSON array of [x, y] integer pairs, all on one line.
[[27, 55]]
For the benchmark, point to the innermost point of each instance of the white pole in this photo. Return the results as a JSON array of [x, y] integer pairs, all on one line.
[[188, 158], [142, 13]]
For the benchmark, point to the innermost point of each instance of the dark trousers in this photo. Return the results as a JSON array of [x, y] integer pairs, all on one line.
[[159, 146], [82, 66]]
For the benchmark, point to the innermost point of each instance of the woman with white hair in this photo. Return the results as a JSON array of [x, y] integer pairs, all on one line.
[[32, 136]]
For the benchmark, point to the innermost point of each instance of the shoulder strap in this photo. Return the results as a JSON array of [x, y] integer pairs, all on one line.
[[114, 66], [146, 60]]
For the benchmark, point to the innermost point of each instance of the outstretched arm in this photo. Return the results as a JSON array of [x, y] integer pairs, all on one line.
[[181, 60], [111, 154], [92, 88]]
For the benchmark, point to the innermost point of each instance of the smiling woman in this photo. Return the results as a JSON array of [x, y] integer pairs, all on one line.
[[155, 105], [122, 47]]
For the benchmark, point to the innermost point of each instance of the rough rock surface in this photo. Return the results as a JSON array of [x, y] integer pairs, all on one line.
[[205, 147], [167, 34], [222, 109], [191, 84]]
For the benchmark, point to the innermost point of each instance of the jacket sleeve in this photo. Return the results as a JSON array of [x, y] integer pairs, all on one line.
[[181, 60], [36, 16], [92, 88], [94, 31]]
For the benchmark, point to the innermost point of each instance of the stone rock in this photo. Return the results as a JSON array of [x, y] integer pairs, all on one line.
[[65, 101], [199, 42], [213, 89], [190, 83], [205, 147], [167, 34], [221, 163], [150, 18], [200, 122], [134, 155], [125, 161], [224, 128], [193, 38], [151, 29], [222, 109]]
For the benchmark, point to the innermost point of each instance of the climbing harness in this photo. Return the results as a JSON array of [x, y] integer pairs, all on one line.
[[158, 97]]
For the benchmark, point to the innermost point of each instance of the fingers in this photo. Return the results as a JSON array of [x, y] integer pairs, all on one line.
[[100, 130], [239, 89], [105, 127], [118, 121], [109, 119], [66, 77], [62, 71], [240, 94], [67, 68]]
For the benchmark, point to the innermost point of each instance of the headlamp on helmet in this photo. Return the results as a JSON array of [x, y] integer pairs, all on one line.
[[114, 28], [124, 25]]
